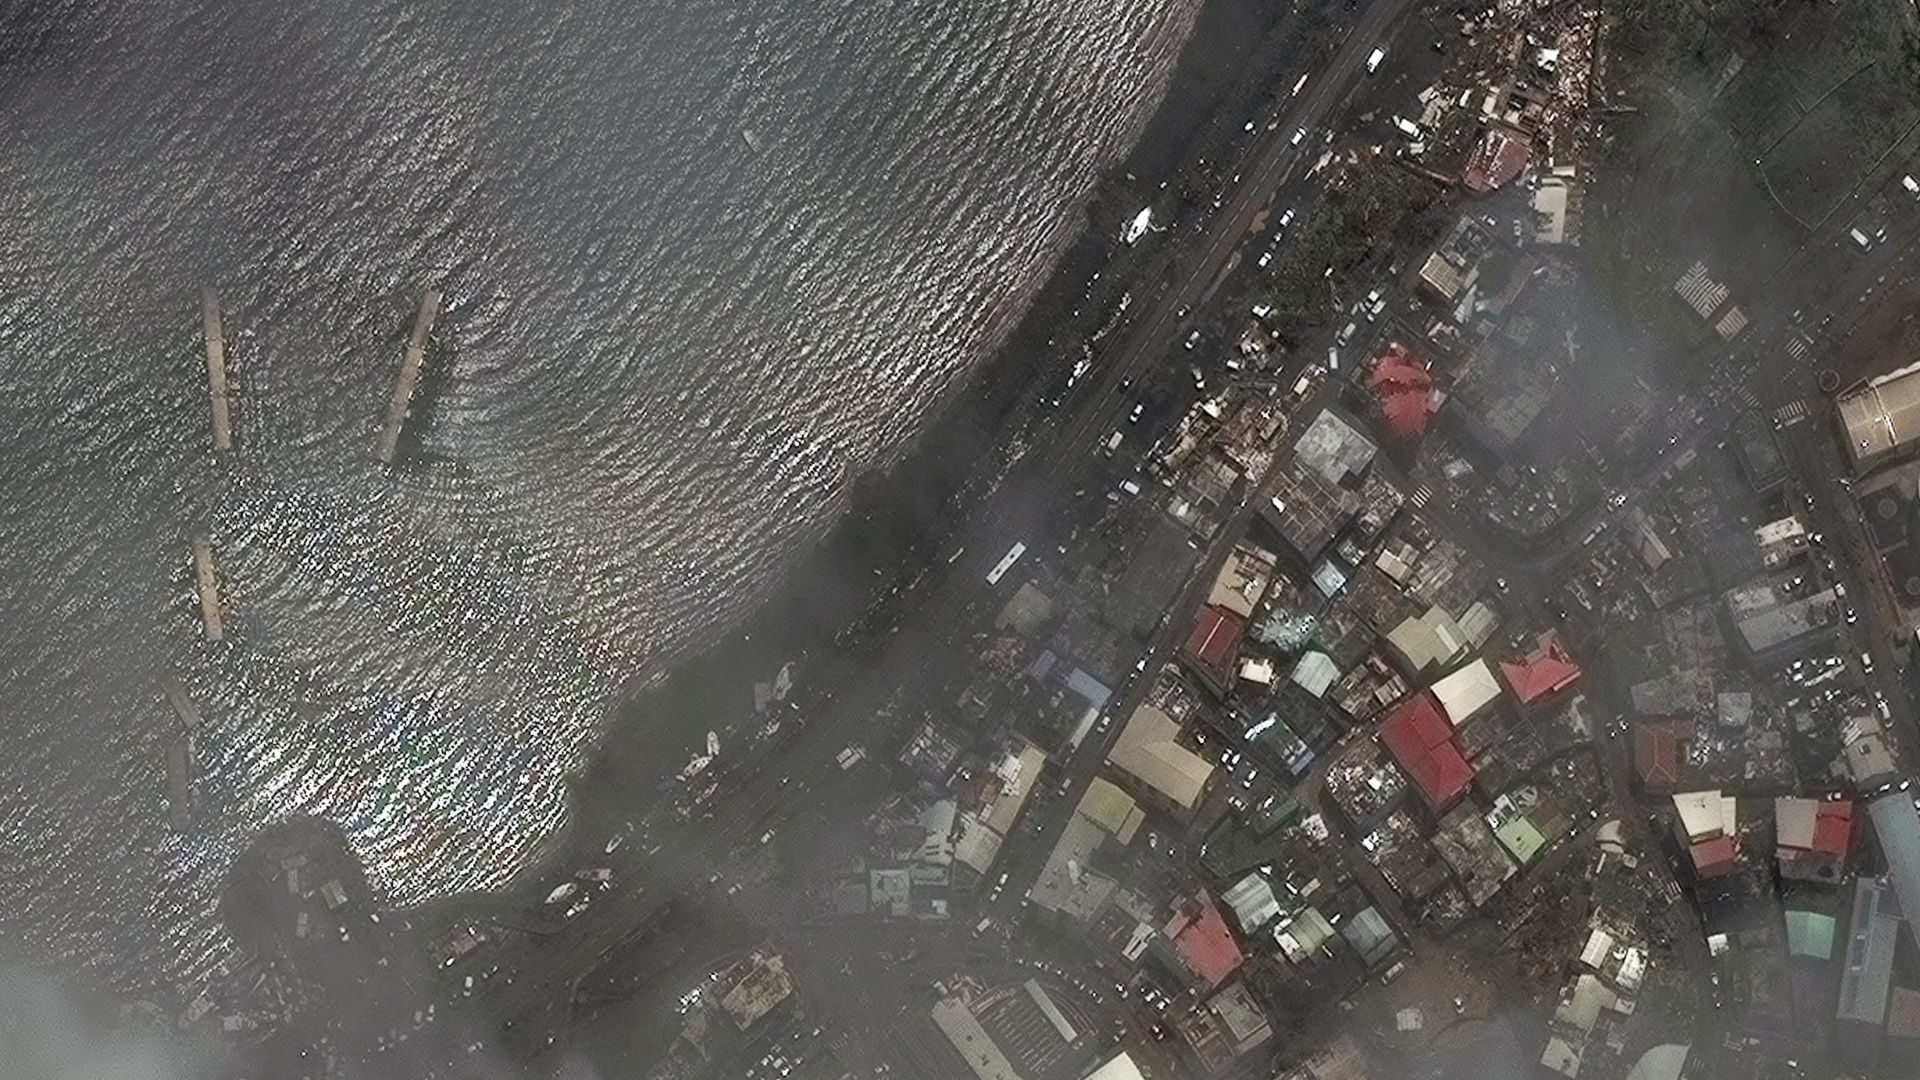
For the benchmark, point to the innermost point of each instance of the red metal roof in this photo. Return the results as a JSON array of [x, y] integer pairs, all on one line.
[[1712, 858], [1403, 390], [1418, 737], [1833, 827], [1546, 670], [1656, 750], [1498, 158], [1201, 938], [1216, 632]]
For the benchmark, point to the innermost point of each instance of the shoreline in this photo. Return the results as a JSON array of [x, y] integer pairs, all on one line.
[[896, 521]]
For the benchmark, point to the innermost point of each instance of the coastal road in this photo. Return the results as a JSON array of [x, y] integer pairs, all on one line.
[[545, 975], [1154, 335], [1085, 764]]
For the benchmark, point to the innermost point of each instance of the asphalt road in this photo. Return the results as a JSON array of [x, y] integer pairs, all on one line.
[[807, 778]]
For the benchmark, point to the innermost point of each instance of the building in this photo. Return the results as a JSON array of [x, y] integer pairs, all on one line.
[[1112, 809], [1121, 1067], [1013, 1031], [762, 986], [1419, 739], [1467, 692], [1068, 883], [1148, 750], [1897, 825], [1225, 1027], [1306, 512], [1421, 642], [1810, 934], [1478, 860], [1547, 670], [1334, 450], [1500, 156], [1880, 418], [1214, 640], [1252, 902], [1203, 942], [1776, 626], [1867, 979], [1242, 580], [1659, 751], [1812, 837], [1707, 824], [971, 1041], [1555, 218], [1869, 762], [1016, 774]]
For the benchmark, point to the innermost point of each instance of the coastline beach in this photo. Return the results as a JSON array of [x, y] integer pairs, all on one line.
[[898, 526]]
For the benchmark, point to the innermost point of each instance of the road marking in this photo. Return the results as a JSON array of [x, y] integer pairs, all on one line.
[[1791, 413], [1421, 496]]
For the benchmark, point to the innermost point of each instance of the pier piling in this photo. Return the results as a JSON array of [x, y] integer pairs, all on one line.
[[207, 582], [216, 368], [411, 362]]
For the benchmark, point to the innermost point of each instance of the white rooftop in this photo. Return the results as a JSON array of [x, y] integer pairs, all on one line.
[[1467, 691]]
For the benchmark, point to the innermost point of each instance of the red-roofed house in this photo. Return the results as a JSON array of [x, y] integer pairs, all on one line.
[[1202, 940], [1402, 391], [1545, 671], [1833, 831], [1658, 747], [1714, 858], [1419, 739], [1499, 157], [1216, 634], [1812, 837]]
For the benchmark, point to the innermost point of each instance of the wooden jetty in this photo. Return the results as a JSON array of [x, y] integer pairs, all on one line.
[[183, 706], [216, 369], [411, 362], [207, 582]]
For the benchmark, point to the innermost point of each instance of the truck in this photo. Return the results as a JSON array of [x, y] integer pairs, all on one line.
[[1374, 58]]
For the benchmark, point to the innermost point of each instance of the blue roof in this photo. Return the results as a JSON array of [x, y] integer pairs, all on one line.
[[1095, 691]]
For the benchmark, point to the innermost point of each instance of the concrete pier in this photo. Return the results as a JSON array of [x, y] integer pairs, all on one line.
[[207, 582], [216, 369], [411, 362], [183, 706]]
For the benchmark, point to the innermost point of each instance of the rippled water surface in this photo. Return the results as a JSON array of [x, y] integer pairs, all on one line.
[[701, 257]]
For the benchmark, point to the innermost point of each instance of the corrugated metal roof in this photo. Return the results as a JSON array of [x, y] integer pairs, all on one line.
[[1898, 827], [1868, 972], [1147, 751], [1465, 692]]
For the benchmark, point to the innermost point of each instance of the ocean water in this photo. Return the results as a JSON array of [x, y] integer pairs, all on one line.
[[702, 259]]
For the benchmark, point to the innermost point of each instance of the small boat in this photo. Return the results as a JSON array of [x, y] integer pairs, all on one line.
[[752, 140]]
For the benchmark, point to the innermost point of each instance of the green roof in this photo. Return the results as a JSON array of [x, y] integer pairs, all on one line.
[[1112, 809], [1810, 934], [1520, 838]]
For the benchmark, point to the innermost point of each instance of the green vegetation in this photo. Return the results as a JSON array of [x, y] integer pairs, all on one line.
[[1759, 120], [1352, 232]]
